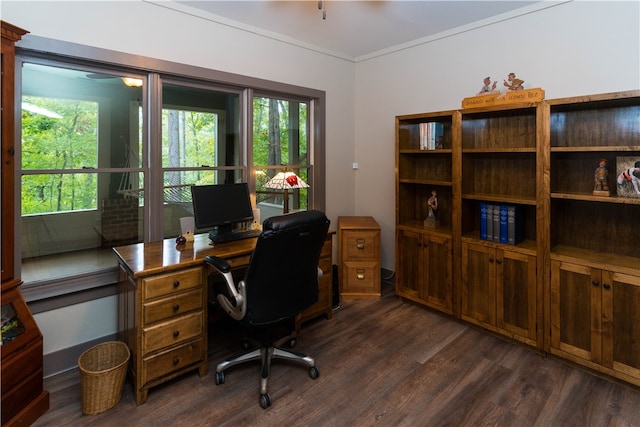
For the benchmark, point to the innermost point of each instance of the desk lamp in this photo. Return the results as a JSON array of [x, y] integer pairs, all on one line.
[[285, 181]]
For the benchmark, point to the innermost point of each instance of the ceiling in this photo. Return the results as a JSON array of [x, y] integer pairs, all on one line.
[[352, 29]]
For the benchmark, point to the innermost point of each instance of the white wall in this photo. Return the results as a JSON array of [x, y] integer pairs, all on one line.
[[571, 49], [577, 48]]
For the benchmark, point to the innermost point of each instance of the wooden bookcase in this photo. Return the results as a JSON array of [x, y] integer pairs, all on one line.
[[595, 240], [425, 255], [572, 286]]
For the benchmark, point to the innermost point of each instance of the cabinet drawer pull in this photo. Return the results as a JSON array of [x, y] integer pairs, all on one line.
[[176, 360], [176, 283], [360, 243], [176, 334], [176, 307], [360, 276]]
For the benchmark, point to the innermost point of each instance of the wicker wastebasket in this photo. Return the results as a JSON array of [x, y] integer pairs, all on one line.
[[103, 369]]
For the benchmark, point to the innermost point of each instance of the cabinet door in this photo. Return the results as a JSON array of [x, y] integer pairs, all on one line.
[[436, 288], [516, 293], [621, 322], [409, 269], [576, 310], [478, 283]]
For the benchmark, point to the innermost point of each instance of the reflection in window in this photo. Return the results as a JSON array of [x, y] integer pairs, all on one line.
[[80, 157], [280, 140], [200, 145]]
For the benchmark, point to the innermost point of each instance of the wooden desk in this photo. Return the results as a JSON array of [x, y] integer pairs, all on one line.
[[162, 304]]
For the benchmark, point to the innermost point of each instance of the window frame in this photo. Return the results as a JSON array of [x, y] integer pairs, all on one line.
[[58, 293]]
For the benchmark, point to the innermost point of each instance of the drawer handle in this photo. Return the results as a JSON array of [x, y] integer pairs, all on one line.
[[176, 333], [360, 244], [176, 283], [176, 360], [176, 307], [360, 276]]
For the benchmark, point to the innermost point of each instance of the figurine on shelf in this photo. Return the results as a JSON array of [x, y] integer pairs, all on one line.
[[488, 87], [432, 218], [512, 83], [600, 177]]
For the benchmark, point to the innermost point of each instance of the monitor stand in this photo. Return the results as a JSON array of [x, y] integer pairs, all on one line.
[[221, 230]]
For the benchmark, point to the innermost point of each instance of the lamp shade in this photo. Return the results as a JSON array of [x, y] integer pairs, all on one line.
[[286, 181]]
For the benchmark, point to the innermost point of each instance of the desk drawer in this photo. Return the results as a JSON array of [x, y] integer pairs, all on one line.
[[165, 284], [173, 332], [172, 306], [162, 364], [360, 245]]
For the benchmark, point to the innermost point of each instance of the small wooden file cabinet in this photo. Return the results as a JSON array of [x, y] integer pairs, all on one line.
[[359, 256]]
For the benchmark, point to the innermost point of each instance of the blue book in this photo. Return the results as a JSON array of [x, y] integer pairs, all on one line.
[[489, 222], [483, 221], [503, 223]]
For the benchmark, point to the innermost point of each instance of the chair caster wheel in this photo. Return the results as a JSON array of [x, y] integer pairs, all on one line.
[[219, 378], [265, 400], [314, 372]]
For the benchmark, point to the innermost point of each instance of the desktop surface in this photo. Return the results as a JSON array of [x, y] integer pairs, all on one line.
[[143, 259]]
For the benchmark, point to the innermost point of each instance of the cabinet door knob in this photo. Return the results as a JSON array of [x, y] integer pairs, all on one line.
[[595, 283], [176, 360], [176, 283], [498, 261], [490, 259], [176, 307], [176, 333], [606, 286]]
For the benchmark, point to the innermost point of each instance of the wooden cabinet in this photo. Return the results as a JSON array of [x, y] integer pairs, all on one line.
[[425, 274], [23, 397], [163, 321], [595, 263], [595, 319], [358, 256], [499, 290]]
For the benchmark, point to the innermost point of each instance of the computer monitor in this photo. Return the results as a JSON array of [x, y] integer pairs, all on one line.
[[221, 206]]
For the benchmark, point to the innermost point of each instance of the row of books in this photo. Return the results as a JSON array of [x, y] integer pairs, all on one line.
[[431, 134], [502, 223]]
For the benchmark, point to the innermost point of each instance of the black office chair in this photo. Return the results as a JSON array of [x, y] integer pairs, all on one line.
[[280, 282]]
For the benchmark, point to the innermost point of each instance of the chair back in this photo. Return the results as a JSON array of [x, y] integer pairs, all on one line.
[[282, 276]]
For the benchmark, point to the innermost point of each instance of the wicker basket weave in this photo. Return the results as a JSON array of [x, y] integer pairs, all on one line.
[[103, 369]]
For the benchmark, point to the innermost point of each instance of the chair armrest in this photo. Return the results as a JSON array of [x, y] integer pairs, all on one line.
[[218, 263], [235, 301]]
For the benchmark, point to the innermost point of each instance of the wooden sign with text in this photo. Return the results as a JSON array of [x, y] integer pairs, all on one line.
[[525, 95]]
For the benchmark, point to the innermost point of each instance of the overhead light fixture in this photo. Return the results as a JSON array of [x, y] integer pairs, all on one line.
[[285, 181], [132, 82]]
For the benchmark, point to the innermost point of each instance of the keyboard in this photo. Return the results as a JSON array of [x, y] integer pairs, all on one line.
[[233, 236]]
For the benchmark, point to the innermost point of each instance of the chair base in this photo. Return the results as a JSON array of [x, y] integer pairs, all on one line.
[[266, 355]]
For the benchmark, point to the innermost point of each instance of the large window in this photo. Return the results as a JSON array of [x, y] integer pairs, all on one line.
[[108, 154]]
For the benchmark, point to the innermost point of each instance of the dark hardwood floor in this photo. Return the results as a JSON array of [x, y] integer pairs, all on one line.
[[382, 362]]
